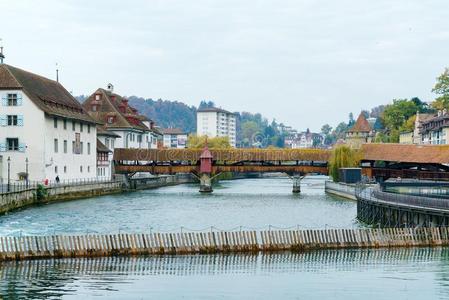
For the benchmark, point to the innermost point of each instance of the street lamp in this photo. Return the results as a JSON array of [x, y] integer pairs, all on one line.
[[26, 170], [9, 173]]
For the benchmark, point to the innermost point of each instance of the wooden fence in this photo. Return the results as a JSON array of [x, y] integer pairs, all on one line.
[[33, 247]]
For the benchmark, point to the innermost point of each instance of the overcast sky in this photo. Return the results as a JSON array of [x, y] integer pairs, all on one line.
[[302, 62]]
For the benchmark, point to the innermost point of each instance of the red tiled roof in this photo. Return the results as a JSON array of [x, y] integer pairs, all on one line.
[[49, 95], [406, 153], [361, 125]]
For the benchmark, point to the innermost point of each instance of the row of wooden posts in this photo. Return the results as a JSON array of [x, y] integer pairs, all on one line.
[[59, 246]]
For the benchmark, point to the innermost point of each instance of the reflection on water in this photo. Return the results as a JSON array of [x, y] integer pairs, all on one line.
[[368, 273]]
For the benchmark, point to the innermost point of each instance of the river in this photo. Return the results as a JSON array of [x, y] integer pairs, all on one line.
[[248, 204]]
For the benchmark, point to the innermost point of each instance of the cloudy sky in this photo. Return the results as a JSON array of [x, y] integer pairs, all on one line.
[[303, 62]]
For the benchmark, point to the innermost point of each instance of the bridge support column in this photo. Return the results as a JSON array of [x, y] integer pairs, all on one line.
[[205, 183], [296, 184]]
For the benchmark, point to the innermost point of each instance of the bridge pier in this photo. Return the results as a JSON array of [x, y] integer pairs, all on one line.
[[205, 183], [296, 184]]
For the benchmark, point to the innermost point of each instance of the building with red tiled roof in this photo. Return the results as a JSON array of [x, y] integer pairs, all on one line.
[[360, 133], [116, 115], [45, 132]]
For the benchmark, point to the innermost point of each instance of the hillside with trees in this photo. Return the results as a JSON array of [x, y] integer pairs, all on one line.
[[396, 117]]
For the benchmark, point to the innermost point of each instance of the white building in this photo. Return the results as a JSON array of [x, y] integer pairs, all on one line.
[[43, 124], [105, 149], [307, 139], [216, 122], [113, 112], [174, 138]]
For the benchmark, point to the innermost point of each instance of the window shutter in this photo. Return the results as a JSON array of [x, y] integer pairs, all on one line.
[[2, 147], [22, 147], [19, 120], [4, 100], [19, 99], [3, 120]]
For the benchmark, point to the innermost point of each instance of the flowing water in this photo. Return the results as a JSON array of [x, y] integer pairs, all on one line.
[[420, 273]]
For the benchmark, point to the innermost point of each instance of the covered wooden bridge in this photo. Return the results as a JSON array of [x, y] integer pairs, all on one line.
[[205, 163], [383, 161]]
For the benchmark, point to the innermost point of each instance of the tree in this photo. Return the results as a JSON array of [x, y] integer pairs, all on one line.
[[326, 129], [397, 113], [342, 157], [249, 133], [198, 142], [351, 120], [441, 88]]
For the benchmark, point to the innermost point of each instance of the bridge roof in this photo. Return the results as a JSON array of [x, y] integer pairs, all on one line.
[[406, 153], [232, 155]]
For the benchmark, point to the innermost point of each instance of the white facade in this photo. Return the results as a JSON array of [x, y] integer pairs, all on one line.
[[216, 123], [46, 142], [177, 141]]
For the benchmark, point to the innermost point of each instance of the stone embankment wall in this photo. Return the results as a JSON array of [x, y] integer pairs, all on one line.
[[340, 189], [33, 247], [63, 192]]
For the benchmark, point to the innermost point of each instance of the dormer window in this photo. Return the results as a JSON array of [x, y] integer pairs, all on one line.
[[97, 96]]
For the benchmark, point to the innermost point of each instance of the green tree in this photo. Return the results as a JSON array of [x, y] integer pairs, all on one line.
[[396, 114], [326, 129], [249, 131], [441, 88], [342, 157]]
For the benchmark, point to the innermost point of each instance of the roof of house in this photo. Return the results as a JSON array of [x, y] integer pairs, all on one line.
[[101, 147], [406, 153], [361, 125], [49, 95], [214, 109], [172, 131], [102, 131], [113, 105]]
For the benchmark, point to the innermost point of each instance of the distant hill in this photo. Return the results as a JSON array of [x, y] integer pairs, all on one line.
[[166, 113], [252, 129]]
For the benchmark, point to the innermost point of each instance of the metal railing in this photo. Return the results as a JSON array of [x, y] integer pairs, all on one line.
[[375, 195], [20, 186]]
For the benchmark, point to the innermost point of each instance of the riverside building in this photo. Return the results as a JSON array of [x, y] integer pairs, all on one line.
[[44, 131], [216, 122]]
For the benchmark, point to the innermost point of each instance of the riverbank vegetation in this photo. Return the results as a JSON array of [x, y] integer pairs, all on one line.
[[342, 157]]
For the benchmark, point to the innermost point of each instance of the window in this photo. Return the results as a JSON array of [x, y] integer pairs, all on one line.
[[81, 127], [73, 147], [97, 96], [106, 142], [12, 100], [88, 169], [12, 120], [65, 146], [81, 148], [56, 145], [65, 169], [110, 120], [112, 144], [94, 108], [55, 122], [88, 148], [13, 144], [81, 169], [65, 124], [88, 128], [73, 126], [56, 169]]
